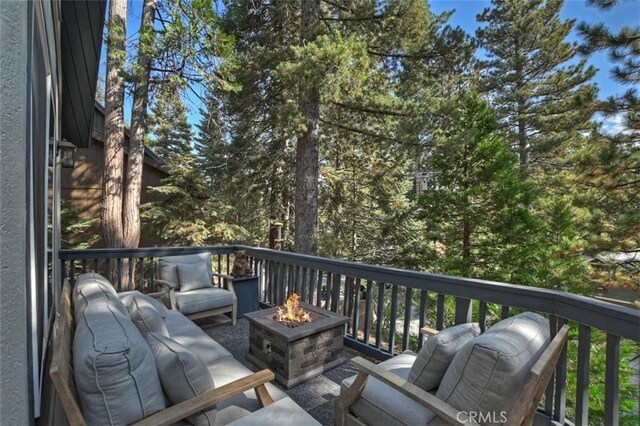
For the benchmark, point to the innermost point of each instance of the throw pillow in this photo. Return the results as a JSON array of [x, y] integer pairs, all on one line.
[[438, 352], [182, 373], [193, 276], [146, 317], [142, 300]]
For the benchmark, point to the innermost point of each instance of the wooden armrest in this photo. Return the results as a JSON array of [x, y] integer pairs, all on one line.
[[439, 407], [203, 401], [429, 331], [165, 284], [155, 295], [226, 277]]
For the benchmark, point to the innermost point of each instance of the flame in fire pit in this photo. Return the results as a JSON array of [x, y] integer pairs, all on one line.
[[292, 315]]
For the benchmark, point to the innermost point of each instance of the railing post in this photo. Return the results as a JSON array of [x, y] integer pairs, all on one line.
[[561, 382], [464, 310], [582, 373], [612, 379]]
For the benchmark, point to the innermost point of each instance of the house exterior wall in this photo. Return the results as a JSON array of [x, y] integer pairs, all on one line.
[[82, 187], [15, 41]]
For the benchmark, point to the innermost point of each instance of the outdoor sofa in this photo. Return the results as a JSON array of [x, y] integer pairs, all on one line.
[[122, 358]]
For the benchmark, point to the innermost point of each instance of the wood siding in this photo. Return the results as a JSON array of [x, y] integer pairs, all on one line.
[[82, 186]]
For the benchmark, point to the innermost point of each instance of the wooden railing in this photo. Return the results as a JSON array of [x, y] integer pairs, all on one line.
[[388, 307]]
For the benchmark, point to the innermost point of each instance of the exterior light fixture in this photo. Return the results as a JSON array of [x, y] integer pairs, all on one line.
[[65, 151]]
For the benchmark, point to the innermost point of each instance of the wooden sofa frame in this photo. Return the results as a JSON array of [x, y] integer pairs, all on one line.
[[522, 412], [169, 294], [61, 374]]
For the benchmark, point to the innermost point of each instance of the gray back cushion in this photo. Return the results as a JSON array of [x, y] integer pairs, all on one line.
[[193, 276], [436, 355], [487, 373], [94, 287], [182, 373], [146, 317], [128, 297], [169, 272], [114, 369]]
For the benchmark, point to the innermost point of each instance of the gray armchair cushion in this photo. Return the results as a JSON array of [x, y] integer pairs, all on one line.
[[282, 412], [438, 352], [487, 373], [193, 276], [114, 370], [169, 273], [182, 373], [380, 404], [146, 317], [203, 299]]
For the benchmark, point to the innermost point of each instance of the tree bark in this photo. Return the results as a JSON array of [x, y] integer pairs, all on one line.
[[111, 211], [135, 162], [306, 201]]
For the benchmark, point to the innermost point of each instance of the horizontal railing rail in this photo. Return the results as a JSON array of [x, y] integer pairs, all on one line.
[[388, 306]]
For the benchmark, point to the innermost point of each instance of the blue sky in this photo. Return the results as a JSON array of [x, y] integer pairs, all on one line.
[[626, 13]]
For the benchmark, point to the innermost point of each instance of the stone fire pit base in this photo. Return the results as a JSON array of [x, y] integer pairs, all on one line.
[[296, 354]]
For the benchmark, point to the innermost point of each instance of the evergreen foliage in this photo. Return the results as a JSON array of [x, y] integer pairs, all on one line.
[[541, 96], [188, 213]]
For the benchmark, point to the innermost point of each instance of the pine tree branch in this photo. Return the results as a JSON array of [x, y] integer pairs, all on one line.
[[361, 132], [370, 110]]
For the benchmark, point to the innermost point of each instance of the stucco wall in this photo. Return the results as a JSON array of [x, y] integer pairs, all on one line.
[[14, 40]]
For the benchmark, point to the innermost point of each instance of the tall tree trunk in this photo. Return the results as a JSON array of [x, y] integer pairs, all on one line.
[[306, 201], [111, 212], [131, 209]]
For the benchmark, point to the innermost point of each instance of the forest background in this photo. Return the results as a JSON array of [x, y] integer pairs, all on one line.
[[379, 131]]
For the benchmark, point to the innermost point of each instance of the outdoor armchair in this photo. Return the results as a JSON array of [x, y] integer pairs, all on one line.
[[379, 393], [187, 285]]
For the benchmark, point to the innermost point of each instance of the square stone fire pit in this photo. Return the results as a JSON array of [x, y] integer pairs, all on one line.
[[296, 354]]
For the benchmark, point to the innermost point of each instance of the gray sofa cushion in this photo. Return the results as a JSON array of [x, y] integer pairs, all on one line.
[[222, 367], [184, 331], [282, 412], [438, 352], [94, 288], [379, 404], [146, 317], [114, 370], [128, 297], [169, 273], [487, 373], [182, 373], [193, 276], [203, 299]]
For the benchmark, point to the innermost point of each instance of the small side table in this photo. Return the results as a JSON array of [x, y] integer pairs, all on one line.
[[246, 289]]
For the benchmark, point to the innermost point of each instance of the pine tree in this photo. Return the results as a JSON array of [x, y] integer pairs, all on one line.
[[476, 209], [542, 98], [188, 213]]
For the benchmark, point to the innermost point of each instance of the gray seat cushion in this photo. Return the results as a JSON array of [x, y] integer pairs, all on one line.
[[282, 412], [486, 375], [193, 276], [183, 375], [438, 352], [169, 273], [221, 364], [203, 299], [380, 404], [114, 369], [184, 331]]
